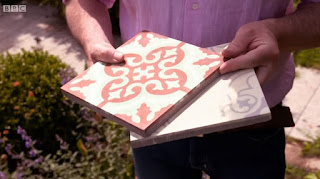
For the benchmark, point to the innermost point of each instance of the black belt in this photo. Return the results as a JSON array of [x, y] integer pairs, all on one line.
[[281, 117]]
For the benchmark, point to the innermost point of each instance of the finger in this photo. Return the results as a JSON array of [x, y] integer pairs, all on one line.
[[106, 54], [90, 62], [118, 56], [253, 58], [238, 45]]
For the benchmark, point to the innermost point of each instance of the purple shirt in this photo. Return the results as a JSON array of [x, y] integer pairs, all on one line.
[[207, 23]]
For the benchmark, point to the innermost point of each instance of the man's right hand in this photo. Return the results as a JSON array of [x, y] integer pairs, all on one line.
[[90, 24], [104, 52]]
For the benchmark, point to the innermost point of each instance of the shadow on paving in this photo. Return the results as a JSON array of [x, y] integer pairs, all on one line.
[[42, 24]]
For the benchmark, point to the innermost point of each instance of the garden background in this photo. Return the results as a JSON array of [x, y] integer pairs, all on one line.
[[45, 135]]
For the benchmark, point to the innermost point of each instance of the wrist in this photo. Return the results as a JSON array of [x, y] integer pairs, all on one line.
[[90, 41], [279, 28], [272, 25]]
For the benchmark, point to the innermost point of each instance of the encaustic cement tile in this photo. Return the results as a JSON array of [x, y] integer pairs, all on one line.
[[159, 76], [233, 100]]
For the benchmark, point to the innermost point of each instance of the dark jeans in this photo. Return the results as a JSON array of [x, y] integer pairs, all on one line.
[[249, 154]]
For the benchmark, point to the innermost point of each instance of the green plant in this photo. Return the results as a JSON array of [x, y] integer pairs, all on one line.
[[108, 143], [31, 98], [312, 149], [34, 113], [294, 172], [103, 153], [312, 176], [296, 2], [308, 58]]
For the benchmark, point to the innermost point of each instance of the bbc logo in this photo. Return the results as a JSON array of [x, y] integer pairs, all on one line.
[[14, 8]]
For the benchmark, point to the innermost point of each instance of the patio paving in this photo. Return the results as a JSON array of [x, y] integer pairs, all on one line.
[[20, 30], [304, 102]]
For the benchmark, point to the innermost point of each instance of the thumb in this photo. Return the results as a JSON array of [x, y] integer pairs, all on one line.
[[118, 56], [106, 54], [238, 45]]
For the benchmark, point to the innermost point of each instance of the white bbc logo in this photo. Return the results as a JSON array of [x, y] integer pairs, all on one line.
[[14, 8]]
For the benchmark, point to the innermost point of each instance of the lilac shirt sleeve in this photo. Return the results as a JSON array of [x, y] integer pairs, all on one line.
[[108, 3]]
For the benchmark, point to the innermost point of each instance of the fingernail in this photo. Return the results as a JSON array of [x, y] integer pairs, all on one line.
[[221, 69], [226, 53], [117, 56]]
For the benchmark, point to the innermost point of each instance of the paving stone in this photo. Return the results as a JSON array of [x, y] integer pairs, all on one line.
[[304, 101], [19, 30]]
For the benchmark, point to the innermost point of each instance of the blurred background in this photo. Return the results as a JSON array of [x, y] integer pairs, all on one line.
[[45, 135]]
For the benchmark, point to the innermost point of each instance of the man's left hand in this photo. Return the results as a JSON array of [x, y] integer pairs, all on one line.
[[254, 46]]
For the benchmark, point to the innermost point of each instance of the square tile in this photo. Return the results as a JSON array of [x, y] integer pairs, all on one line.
[[160, 75]]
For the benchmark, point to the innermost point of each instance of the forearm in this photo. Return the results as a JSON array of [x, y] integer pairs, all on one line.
[[89, 21], [299, 30]]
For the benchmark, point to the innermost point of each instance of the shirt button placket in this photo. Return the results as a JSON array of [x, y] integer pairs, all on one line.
[[192, 21], [195, 6]]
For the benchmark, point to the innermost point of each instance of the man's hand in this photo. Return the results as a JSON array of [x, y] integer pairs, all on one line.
[[257, 44], [90, 24], [104, 52], [254, 46]]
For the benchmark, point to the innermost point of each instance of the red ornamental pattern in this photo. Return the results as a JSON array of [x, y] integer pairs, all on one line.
[[147, 72], [78, 82], [151, 71]]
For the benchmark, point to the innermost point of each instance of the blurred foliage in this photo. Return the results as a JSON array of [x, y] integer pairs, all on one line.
[[315, 175], [312, 149], [104, 153], [296, 2], [31, 98], [308, 58], [294, 172], [33, 113], [309, 149]]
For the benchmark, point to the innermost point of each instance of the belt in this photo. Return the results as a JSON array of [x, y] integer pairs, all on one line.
[[280, 117]]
